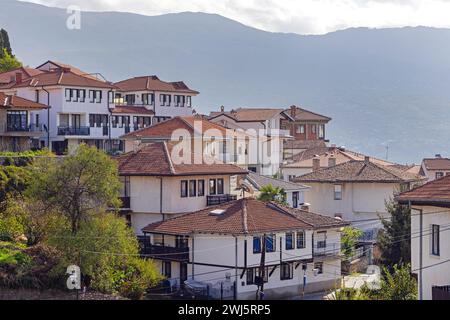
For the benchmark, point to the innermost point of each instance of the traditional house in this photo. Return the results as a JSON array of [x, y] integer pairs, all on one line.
[[295, 193], [157, 184], [430, 239], [435, 168], [165, 99], [265, 123], [219, 250], [18, 132], [357, 191], [308, 130]]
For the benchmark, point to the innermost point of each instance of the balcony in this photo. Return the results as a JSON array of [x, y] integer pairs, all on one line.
[[441, 293], [26, 128], [220, 199], [74, 131], [322, 249], [165, 253]]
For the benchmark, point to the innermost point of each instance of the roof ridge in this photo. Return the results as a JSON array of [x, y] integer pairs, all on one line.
[[283, 209], [168, 157], [244, 215], [315, 113]]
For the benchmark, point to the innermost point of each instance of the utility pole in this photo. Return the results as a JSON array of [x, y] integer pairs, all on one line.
[[262, 270]]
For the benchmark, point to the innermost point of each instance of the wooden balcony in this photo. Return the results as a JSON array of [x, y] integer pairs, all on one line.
[[220, 199]]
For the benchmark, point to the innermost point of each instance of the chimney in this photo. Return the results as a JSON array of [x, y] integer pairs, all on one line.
[[293, 111], [331, 161], [222, 109], [366, 160], [316, 164], [18, 77], [65, 70], [438, 156]]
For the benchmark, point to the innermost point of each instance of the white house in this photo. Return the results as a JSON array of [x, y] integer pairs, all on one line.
[[165, 99], [156, 186], [266, 124], [357, 191], [220, 249], [435, 168], [295, 193], [430, 237]]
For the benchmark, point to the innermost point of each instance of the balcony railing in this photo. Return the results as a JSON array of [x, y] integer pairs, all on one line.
[[165, 253], [441, 293], [26, 128], [322, 249], [219, 199], [74, 131]]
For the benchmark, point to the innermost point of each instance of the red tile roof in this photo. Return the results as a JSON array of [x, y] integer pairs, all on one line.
[[250, 114], [153, 83], [59, 65], [131, 110], [63, 77], [164, 130], [155, 159], [9, 101], [359, 171], [433, 193], [437, 164], [301, 114], [245, 216], [8, 77]]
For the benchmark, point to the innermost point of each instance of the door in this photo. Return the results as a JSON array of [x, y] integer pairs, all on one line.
[[76, 121], [183, 273]]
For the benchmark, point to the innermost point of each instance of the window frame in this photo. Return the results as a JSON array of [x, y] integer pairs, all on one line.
[[300, 239], [439, 175], [201, 190], [192, 188], [212, 188], [184, 188], [286, 271], [295, 198], [220, 186], [338, 195], [291, 242], [257, 249], [273, 241], [435, 240], [319, 266]]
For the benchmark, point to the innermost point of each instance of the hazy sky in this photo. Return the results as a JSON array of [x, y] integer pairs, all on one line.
[[299, 16]]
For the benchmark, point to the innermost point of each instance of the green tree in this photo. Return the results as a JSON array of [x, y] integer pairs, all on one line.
[[271, 193], [398, 285], [349, 239], [8, 62], [394, 239], [78, 186], [107, 252], [4, 43]]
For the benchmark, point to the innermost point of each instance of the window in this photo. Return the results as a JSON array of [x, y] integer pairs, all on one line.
[[321, 240], [301, 243], [17, 120], [98, 120], [167, 266], [68, 95], [95, 96], [439, 175], [337, 192], [201, 188], [192, 188], [295, 199], [165, 99], [319, 267], [184, 189], [257, 245], [220, 187], [321, 131], [300, 129], [290, 241], [212, 187], [266, 274], [314, 128], [286, 271], [38, 122], [130, 99], [181, 242], [435, 240], [250, 276], [125, 190], [270, 243], [82, 94], [188, 101]]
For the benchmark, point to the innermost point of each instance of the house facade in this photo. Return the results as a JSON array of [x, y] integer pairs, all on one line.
[[430, 239], [221, 248], [156, 186], [435, 168], [357, 191], [20, 128], [265, 123]]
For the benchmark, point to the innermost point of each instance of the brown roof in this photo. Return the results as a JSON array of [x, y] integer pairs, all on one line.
[[166, 128], [359, 171], [9, 76], [434, 193], [305, 144], [250, 114], [9, 101], [437, 164], [155, 159], [75, 70], [153, 83], [63, 77], [131, 110], [306, 115], [245, 216]]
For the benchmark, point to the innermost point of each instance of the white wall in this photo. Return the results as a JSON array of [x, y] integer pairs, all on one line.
[[437, 275]]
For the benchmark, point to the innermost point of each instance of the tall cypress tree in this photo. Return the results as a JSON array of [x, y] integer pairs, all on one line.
[[4, 42]]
